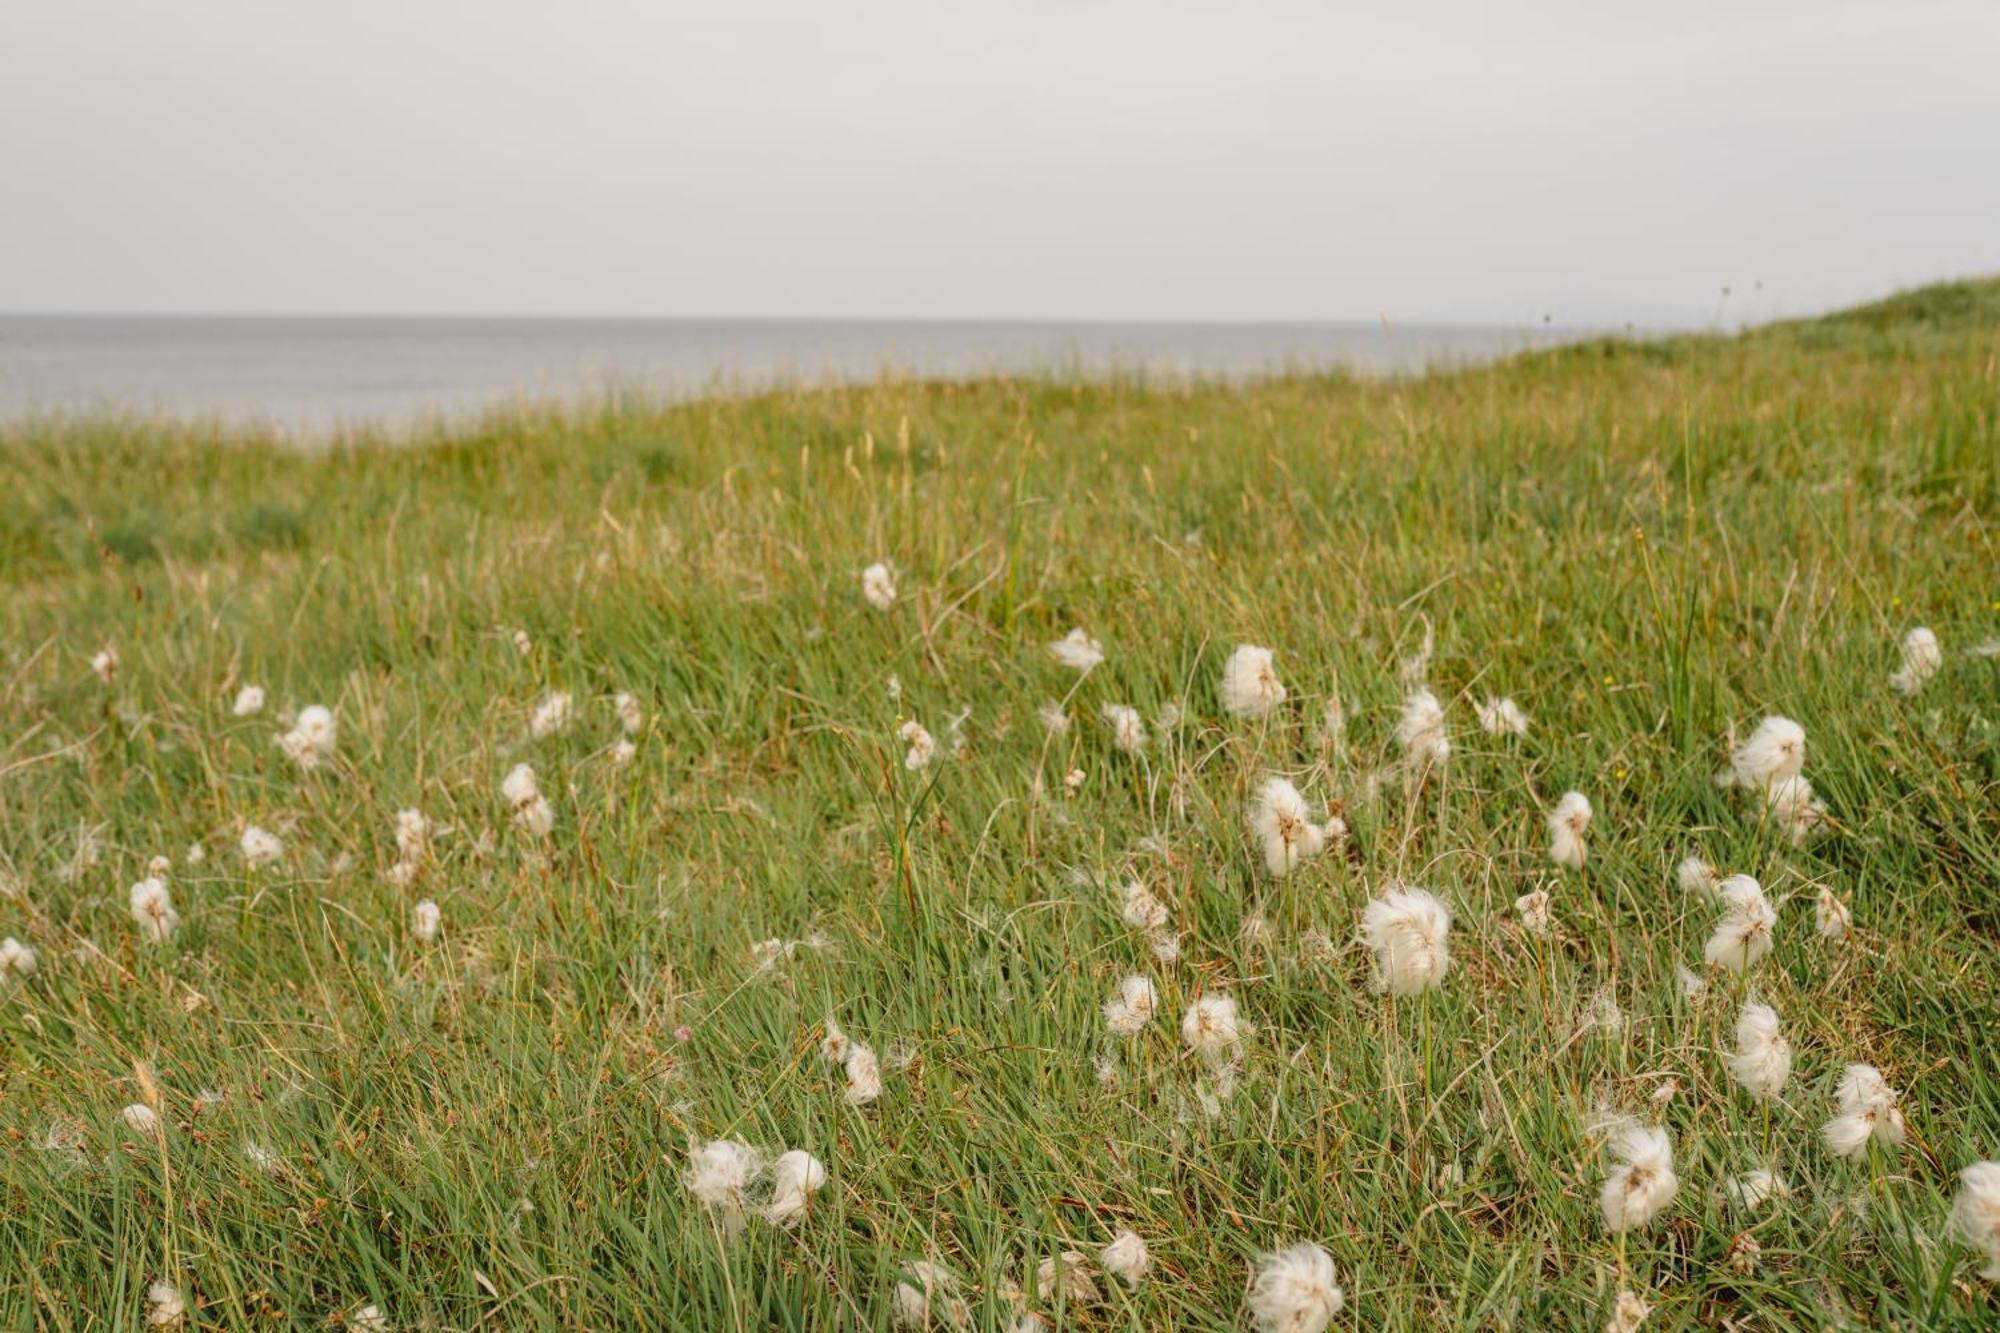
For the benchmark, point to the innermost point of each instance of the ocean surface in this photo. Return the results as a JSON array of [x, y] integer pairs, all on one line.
[[319, 376]]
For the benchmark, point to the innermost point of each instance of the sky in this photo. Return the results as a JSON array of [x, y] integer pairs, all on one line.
[[1586, 160]]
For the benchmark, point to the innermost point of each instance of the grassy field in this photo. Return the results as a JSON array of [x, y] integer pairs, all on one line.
[[1650, 547]]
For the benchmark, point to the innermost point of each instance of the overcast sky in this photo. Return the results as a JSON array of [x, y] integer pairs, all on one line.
[[1119, 158]]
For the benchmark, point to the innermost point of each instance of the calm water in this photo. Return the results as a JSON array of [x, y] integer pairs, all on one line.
[[315, 376]]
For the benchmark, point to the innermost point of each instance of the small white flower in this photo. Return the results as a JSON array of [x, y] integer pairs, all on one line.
[[153, 909], [551, 715], [425, 920], [1294, 1291], [260, 847], [1921, 659], [1077, 650], [1250, 686], [1502, 717], [878, 585], [249, 701]]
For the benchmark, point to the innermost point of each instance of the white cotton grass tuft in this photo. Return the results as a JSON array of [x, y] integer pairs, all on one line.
[[1212, 1029], [1867, 1112], [1793, 807], [795, 1177], [1533, 909], [165, 1306], [1141, 910], [1408, 929], [551, 716], [1126, 1258], [367, 1319], [313, 739], [260, 847], [249, 701], [1065, 1279], [1742, 936], [1250, 687], [1567, 825], [1975, 1214], [153, 909], [1502, 717], [1775, 750], [1642, 1182], [1128, 729], [1762, 1060], [922, 745], [1831, 917], [1921, 659], [1133, 1007], [878, 585], [1077, 650], [1294, 1290], [523, 793], [930, 1295], [1628, 1312], [17, 962], [1420, 731], [141, 1119], [631, 717], [1054, 720], [864, 1074], [720, 1174], [105, 663], [1283, 825], [1751, 1190], [1698, 877], [425, 920]]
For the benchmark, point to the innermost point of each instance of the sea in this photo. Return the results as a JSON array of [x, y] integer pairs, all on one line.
[[315, 377]]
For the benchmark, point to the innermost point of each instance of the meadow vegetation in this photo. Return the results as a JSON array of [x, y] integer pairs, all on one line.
[[497, 1116]]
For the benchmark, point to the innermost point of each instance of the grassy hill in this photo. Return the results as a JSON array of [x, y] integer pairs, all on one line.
[[1649, 546]]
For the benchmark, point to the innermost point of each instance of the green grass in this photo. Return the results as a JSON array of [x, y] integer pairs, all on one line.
[[1647, 544]]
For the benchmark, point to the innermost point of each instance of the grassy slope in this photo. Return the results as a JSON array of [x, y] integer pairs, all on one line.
[[1645, 544]]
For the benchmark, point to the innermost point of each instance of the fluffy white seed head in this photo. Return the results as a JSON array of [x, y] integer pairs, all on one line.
[[1750, 1190], [260, 847], [1776, 749], [1867, 1113], [1250, 686], [1212, 1029], [1294, 1290], [1128, 729], [1502, 717], [1126, 1258], [1831, 916], [425, 920], [520, 786], [316, 728], [368, 1319], [105, 663], [1065, 1278], [551, 715], [864, 1075], [1534, 912], [923, 746], [720, 1173], [1054, 720], [249, 701], [1642, 1182], [1132, 1008], [1762, 1060], [17, 961], [795, 1178], [878, 585], [153, 910], [1975, 1214], [1420, 731], [1698, 877], [1628, 1312], [1141, 910], [1567, 824], [1742, 936], [1077, 650], [930, 1296], [1283, 825], [1921, 659], [1794, 808], [165, 1306], [1409, 931], [141, 1119]]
